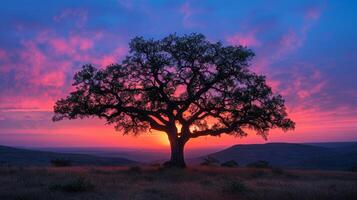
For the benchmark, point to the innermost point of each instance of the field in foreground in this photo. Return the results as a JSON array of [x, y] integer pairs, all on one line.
[[156, 183]]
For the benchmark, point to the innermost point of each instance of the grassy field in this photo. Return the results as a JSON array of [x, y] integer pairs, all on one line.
[[206, 183]]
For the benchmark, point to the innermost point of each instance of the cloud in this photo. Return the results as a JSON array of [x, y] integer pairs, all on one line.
[[40, 69], [304, 85], [128, 4], [113, 57], [70, 45], [79, 16], [3, 54], [300, 83], [248, 40], [313, 12], [188, 13]]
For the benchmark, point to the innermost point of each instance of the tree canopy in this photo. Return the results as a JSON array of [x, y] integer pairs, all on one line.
[[185, 86]]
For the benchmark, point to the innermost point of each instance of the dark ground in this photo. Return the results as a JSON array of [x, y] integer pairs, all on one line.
[[39, 183]]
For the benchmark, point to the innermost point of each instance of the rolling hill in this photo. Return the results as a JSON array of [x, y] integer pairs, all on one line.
[[329, 156], [17, 156], [307, 156]]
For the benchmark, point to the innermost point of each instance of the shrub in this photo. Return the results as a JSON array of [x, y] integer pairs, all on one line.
[[210, 161], [61, 162], [230, 163], [79, 184], [259, 164], [234, 187]]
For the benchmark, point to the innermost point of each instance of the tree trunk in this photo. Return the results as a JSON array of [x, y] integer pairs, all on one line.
[[177, 154]]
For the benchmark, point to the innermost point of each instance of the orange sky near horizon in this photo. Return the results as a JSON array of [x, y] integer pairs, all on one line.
[[310, 127]]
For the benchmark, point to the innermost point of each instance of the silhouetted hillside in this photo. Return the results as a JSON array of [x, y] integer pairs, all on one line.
[[309, 156], [17, 156], [334, 156]]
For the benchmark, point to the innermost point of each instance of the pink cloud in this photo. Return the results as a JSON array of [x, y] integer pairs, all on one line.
[[313, 13], [248, 39], [274, 84], [81, 42], [46, 61], [60, 45], [313, 118], [18, 102], [78, 16], [112, 58], [305, 92], [188, 11], [33, 57], [288, 43], [128, 4], [69, 45], [107, 60], [85, 44], [4, 57], [304, 82], [55, 79], [3, 54], [294, 39]]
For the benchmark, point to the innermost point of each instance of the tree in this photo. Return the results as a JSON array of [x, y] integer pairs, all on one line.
[[185, 86]]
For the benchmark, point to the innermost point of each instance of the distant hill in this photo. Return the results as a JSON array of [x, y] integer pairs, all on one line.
[[308, 156], [136, 154], [333, 144], [17, 156], [330, 156]]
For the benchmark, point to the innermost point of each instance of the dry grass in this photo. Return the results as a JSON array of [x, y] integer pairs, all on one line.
[[156, 183]]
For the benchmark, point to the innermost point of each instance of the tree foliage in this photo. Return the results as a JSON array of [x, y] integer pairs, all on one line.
[[185, 86]]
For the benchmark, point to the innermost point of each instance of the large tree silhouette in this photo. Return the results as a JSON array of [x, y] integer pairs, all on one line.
[[184, 86]]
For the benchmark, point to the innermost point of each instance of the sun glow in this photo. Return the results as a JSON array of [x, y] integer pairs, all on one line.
[[162, 138]]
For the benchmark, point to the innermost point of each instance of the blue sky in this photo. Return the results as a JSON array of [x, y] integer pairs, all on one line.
[[307, 50]]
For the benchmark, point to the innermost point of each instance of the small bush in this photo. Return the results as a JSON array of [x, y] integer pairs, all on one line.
[[234, 187], [277, 170], [79, 184], [61, 162], [210, 161], [259, 164], [230, 163]]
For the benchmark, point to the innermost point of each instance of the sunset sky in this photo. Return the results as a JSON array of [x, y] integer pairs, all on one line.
[[307, 50]]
